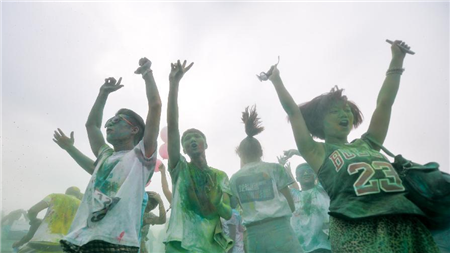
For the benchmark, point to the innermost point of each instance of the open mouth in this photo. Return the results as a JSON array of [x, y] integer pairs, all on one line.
[[108, 130], [194, 145], [344, 123]]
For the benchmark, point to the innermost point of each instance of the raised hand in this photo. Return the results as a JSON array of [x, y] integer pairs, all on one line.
[[178, 70], [274, 73], [397, 51], [62, 140], [111, 85], [282, 159], [144, 66], [291, 152]]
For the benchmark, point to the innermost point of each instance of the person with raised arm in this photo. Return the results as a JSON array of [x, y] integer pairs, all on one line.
[[110, 215], [263, 193], [67, 143], [369, 211], [200, 192], [44, 235]]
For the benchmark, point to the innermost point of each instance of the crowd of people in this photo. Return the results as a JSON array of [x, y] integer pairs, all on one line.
[[345, 198]]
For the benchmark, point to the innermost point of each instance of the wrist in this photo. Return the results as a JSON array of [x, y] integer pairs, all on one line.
[[146, 72], [103, 93]]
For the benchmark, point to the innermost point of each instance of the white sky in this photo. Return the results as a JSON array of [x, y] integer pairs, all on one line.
[[55, 57]]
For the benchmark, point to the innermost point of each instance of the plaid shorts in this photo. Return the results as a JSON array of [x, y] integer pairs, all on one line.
[[97, 246]]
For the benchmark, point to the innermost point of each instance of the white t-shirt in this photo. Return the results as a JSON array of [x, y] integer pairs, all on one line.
[[310, 218], [258, 185], [112, 206]]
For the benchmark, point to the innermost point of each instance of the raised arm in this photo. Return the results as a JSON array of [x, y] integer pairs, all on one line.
[[165, 184], [312, 152], [287, 194], [379, 124], [173, 133], [154, 107], [34, 222], [67, 144], [161, 219], [94, 122]]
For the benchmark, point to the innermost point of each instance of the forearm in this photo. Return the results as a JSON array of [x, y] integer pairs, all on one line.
[[162, 213], [287, 194], [224, 210], [165, 187], [96, 113], [85, 162], [391, 84], [286, 100], [154, 114], [173, 132]]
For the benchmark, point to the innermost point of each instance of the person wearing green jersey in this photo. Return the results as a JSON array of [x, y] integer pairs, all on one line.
[[368, 208]]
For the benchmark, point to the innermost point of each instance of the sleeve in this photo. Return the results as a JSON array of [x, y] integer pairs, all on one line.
[[282, 179], [48, 199], [175, 172], [224, 183], [148, 162], [104, 151]]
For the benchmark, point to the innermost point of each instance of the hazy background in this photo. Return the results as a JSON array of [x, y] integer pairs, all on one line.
[[55, 57]]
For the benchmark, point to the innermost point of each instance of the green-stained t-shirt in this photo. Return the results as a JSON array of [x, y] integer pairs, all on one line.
[[310, 218], [361, 183], [56, 223], [194, 221]]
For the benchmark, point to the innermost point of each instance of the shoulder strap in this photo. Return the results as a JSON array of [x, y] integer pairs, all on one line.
[[370, 139]]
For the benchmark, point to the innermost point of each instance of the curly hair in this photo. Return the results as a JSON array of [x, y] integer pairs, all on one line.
[[315, 110], [250, 147]]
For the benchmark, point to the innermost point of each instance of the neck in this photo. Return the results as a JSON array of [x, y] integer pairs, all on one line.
[[123, 145], [245, 161], [307, 186], [336, 140], [200, 161]]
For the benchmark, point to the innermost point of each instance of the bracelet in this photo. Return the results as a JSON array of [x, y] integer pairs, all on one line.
[[395, 71], [146, 72]]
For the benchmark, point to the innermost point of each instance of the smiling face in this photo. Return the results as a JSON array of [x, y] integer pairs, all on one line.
[[194, 143], [338, 121]]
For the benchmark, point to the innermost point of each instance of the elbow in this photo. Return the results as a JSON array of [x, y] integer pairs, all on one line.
[[155, 104]]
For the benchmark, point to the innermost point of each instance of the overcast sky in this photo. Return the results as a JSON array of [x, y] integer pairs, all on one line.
[[55, 57]]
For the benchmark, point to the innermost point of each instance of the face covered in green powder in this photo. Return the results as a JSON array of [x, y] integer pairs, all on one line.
[[338, 121], [119, 128], [194, 144]]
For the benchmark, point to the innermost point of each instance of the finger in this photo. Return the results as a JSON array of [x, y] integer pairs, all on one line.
[[178, 63], [61, 133], [72, 135], [184, 63], [120, 80], [188, 67], [56, 135]]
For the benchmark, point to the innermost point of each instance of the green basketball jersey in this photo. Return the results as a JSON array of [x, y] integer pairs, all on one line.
[[361, 183]]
